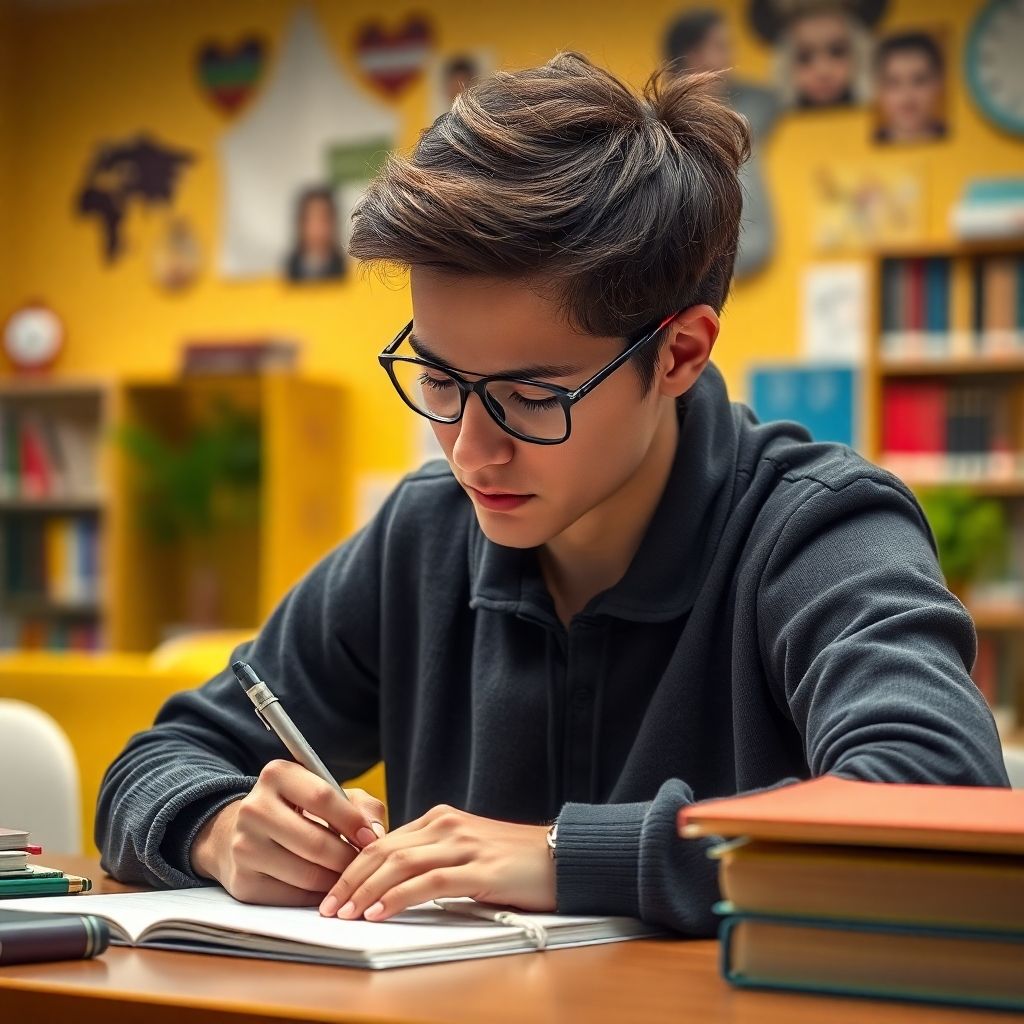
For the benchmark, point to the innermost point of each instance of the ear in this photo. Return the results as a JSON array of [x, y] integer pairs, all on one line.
[[686, 350]]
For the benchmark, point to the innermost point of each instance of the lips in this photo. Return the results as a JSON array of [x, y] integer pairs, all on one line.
[[498, 501]]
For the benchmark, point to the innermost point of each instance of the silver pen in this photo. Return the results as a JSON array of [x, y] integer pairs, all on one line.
[[274, 716]]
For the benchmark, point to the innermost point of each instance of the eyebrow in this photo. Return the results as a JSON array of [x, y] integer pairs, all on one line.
[[531, 371]]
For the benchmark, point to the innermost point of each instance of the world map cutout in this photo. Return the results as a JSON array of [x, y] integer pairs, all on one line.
[[138, 170]]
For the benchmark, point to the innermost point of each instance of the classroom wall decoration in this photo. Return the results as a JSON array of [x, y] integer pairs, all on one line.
[[821, 398], [910, 87], [392, 59], [138, 170], [822, 47], [869, 205], [282, 149], [177, 256], [834, 325], [229, 75]]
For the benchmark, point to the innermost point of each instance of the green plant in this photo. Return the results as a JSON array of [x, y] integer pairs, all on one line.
[[972, 533], [205, 484]]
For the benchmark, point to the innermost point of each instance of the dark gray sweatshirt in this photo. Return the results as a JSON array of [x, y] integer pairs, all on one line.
[[783, 617]]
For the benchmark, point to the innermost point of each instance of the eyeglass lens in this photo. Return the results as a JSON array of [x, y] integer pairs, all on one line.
[[530, 410]]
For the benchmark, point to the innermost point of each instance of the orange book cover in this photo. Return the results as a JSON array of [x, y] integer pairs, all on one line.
[[834, 810]]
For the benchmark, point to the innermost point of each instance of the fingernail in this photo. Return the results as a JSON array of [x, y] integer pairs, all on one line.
[[329, 907], [375, 910], [347, 909], [364, 837], [379, 829]]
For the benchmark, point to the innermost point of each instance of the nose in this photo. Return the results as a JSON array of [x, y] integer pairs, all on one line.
[[481, 442]]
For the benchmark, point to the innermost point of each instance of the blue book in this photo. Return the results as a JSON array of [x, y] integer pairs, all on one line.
[[936, 295], [872, 959]]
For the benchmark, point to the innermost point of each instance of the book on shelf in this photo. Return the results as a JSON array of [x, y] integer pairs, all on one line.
[[52, 557], [943, 308], [938, 431], [878, 889], [48, 455], [990, 208]]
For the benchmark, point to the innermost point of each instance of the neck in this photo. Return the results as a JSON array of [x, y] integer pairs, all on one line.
[[594, 553]]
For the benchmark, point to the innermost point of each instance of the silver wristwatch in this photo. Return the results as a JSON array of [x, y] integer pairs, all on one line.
[[552, 840]]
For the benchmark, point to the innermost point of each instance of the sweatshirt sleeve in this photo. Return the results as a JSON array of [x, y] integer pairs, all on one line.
[[868, 650], [868, 653], [319, 651]]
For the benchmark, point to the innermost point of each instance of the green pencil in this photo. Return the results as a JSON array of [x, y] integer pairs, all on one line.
[[43, 886]]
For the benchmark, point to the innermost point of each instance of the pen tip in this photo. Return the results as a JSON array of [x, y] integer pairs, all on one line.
[[244, 674]]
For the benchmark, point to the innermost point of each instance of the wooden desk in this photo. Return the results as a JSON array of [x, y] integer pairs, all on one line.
[[645, 980]]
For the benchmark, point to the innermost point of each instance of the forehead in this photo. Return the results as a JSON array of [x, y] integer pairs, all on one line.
[[491, 325], [821, 27], [908, 60]]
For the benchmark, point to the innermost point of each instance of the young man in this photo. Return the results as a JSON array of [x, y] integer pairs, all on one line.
[[621, 593], [909, 85]]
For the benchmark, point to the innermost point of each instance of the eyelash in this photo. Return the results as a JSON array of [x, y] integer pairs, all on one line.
[[530, 404], [534, 404]]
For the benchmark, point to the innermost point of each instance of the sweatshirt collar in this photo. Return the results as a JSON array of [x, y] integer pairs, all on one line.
[[672, 561]]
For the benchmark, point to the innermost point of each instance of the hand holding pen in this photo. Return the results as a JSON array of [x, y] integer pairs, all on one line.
[[259, 848]]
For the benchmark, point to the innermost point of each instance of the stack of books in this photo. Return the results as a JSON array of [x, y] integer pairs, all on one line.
[[872, 889], [18, 877], [934, 432], [933, 309]]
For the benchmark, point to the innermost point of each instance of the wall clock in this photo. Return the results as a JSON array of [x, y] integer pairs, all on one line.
[[994, 63], [33, 337]]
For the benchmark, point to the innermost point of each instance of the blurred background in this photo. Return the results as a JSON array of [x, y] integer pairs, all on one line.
[[191, 410]]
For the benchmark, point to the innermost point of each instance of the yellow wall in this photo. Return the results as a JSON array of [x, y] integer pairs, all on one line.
[[7, 135], [90, 72]]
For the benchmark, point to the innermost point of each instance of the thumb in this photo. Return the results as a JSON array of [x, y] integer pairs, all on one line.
[[374, 813]]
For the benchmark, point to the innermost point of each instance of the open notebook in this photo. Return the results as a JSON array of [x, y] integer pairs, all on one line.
[[210, 921]]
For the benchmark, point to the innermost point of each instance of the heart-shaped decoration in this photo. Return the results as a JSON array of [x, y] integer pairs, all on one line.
[[229, 76], [393, 60]]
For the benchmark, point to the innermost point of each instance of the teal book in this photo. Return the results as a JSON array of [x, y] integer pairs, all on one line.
[[43, 886], [872, 959]]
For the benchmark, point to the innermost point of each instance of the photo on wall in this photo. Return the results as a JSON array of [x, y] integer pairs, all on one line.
[[315, 253], [822, 48], [449, 74], [910, 87]]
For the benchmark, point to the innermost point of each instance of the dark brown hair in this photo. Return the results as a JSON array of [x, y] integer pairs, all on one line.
[[626, 206]]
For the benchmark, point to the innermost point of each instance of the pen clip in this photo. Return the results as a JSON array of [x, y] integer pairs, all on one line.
[[261, 697]]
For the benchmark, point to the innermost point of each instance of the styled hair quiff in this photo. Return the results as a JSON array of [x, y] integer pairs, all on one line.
[[624, 205]]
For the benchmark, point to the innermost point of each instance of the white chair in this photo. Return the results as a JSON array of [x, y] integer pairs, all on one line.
[[1013, 757], [39, 789]]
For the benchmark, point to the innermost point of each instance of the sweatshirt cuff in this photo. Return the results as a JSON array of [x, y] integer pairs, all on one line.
[[194, 811], [597, 860]]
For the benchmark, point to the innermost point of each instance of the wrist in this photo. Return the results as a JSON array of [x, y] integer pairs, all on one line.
[[210, 841]]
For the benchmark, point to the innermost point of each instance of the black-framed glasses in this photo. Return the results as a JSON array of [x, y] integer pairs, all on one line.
[[530, 410]]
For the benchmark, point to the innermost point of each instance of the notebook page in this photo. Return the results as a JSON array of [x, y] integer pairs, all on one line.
[[138, 913], [124, 911]]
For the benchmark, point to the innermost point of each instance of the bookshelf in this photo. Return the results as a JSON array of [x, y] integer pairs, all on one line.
[[80, 568], [53, 513], [944, 393]]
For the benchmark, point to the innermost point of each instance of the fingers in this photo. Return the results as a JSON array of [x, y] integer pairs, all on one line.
[[296, 785], [275, 821], [432, 885], [384, 865]]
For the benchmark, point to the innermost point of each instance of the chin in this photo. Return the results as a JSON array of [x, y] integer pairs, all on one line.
[[499, 529]]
